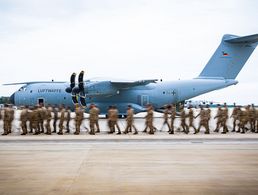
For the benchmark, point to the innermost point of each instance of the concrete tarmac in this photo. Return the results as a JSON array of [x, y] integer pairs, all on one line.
[[129, 164]]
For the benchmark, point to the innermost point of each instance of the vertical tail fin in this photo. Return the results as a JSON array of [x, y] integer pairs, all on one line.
[[230, 56]]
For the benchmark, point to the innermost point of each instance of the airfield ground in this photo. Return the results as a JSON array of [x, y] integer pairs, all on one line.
[[129, 164]]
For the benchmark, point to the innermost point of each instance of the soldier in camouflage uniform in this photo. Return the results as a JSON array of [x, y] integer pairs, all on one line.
[[219, 117], [6, 119], [191, 119], [55, 111], [173, 117], [204, 120], [93, 118], [109, 123], [235, 115], [252, 115], [165, 117], [24, 119], [224, 119], [10, 121], [42, 116], [114, 119], [129, 120], [79, 115], [183, 117], [61, 120], [49, 118], [244, 117], [30, 113], [149, 120], [68, 119], [35, 120]]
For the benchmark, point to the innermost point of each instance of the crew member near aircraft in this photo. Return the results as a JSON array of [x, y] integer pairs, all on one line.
[[49, 118], [68, 119], [173, 117], [79, 114], [130, 121], [61, 120], [165, 117], [149, 120], [114, 119], [191, 119], [93, 119], [24, 119]]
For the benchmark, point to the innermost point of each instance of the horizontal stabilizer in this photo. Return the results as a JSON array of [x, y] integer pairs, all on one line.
[[246, 39]]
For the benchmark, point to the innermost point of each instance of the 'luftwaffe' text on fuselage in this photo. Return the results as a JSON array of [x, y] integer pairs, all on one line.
[[49, 90]]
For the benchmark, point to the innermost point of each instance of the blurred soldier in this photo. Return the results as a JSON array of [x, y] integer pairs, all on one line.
[[111, 129], [129, 120], [68, 118], [149, 120], [93, 118], [35, 120], [48, 117], [256, 120], [6, 119], [30, 113], [191, 118], [204, 121], [224, 119], [55, 111], [24, 119], [252, 115], [79, 114], [183, 117], [10, 121], [42, 116], [61, 120], [235, 115], [173, 117], [165, 117], [219, 116], [114, 119], [243, 120]]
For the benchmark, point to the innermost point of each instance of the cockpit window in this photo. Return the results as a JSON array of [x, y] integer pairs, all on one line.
[[22, 89]]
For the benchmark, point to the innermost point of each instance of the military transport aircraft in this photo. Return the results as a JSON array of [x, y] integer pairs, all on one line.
[[220, 72]]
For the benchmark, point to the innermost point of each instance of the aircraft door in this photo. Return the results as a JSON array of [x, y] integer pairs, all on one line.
[[41, 101], [144, 100]]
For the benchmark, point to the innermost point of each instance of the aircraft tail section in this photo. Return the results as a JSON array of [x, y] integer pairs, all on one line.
[[230, 57]]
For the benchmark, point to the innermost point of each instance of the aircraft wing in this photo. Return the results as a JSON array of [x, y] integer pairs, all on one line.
[[34, 82], [128, 84]]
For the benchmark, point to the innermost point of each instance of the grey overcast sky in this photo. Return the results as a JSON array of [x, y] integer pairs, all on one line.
[[127, 39]]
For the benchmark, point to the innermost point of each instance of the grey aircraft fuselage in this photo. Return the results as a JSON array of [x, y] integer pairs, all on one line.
[[219, 72]]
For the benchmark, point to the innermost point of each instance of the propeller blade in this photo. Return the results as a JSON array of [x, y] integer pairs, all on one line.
[[80, 81], [82, 98], [72, 83]]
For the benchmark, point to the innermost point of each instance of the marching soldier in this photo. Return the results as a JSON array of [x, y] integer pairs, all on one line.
[[114, 119], [252, 115], [129, 120], [35, 120], [111, 129], [165, 117], [48, 117], [204, 121], [94, 116], [183, 117], [30, 113], [235, 115], [6, 119], [173, 117], [149, 120], [79, 113], [24, 119], [219, 116], [61, 120], [224, 119], [243, 120], [68, 118], [191, 118], [55, 111], [42, 117], [10, 121]]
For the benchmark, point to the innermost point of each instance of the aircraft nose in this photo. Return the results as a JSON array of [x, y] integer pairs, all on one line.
[[12, 99]]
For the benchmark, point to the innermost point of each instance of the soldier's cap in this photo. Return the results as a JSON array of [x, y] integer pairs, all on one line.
[[129, 106]]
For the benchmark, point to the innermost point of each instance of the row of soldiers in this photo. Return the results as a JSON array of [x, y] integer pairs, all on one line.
[[39, 119]]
